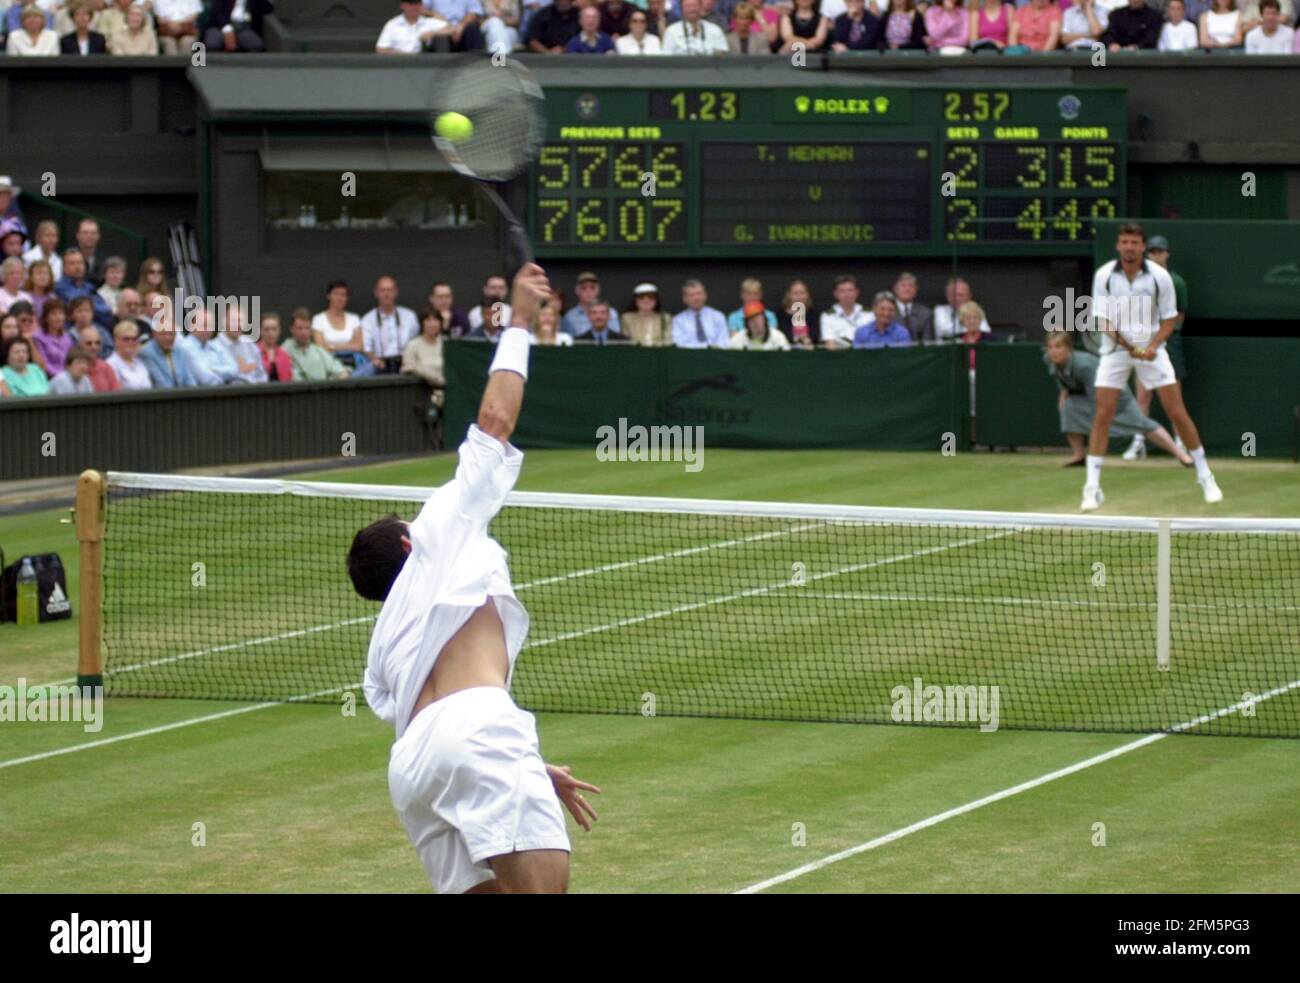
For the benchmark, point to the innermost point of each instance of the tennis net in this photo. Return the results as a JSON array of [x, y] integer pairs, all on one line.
[[236, 589]]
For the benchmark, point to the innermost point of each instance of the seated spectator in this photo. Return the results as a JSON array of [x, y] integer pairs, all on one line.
[[1221, 25], [82, 40], [494, 306], [46, 249], [28, 325], [243, 351], [137, 38], [946, 323], [75, 283], [210, 361], [882, 331], [710, 10], [153, 278], [804, 26], [758, 334], [423, 353], [990, 25], [638, 40], [1037, 26], [904, 27], [699, 325], [177, 26], [275, 360], [464, 17], [661, 16], [12, 277], [339, 331], [947, 28], [236, 25], [102, 375], [692, 35], [590, 39], [455, 323], [1082, 25], [857, 29], [88, 245], [1133, 27], [168, 363], [410, 31], [1178, 33], [125, 360], [8, 327], [547, 329], [552, 28], [577, 320], [600, 332], [751, 291], [75, 378], [21, 375], [114, 274], [311, 362], [53, 339], [615, 17], [646, 324], [795, 317], [33, 39], [80, 318], [11, 212], [111, 16], [12, 240], [1252, 14], [840, 324], [39, 284], [387, 327], [974, 325], [1271, 37], [130, 309], [917, 318], [500, 25]]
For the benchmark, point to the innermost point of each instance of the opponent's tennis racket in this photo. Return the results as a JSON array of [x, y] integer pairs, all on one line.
[[505, 105]]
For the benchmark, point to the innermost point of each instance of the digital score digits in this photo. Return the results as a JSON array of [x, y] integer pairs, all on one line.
[[678, 172]]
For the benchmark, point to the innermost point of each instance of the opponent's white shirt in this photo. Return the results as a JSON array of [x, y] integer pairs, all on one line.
[[453, 568], [1134, 309]]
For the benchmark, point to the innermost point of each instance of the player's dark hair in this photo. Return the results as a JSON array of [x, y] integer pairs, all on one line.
[[1133, 229], [376, 557]]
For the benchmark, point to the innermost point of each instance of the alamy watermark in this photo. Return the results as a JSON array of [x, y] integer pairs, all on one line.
[[53, 704], [638, 443], [919, 703]]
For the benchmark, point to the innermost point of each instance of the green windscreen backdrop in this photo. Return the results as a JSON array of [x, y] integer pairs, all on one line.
[[1235, 270], [898, 399]]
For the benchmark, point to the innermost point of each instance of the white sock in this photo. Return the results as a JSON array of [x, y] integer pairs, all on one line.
[[1202, 466], [1094, 470]]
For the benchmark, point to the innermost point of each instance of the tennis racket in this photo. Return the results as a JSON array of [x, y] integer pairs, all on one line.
[[505, 105]]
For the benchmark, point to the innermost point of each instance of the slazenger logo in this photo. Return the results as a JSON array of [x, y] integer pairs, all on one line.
[[722, 383], [1286, 275], [58, 602], [102, 937]]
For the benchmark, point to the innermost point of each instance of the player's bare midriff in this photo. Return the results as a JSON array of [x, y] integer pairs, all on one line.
[[475, 656]]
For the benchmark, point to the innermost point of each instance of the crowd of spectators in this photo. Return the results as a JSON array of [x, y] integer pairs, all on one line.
[[675, 27]]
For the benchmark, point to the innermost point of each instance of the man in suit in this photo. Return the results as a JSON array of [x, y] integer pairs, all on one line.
[[600, 333], [82, 40], [236, 25], [917, 318]]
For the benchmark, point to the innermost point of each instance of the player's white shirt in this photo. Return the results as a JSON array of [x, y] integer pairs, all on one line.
[[453, 568], [401, 35], [839, 325], [1179, 37], [1134, 309], [1259, 43]]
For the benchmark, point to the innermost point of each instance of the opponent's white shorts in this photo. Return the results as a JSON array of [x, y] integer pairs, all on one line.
[[469, 782], [1113, 370]]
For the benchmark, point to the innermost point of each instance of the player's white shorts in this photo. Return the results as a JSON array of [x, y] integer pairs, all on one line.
[[469, 782], [1113, 370]]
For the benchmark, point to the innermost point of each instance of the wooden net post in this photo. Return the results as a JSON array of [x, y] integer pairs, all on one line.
[[92, 501]]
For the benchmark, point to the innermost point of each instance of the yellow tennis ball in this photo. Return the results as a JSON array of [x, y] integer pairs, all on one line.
[[455, 127]]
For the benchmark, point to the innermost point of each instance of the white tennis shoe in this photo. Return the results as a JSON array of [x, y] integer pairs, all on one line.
[[1137, 450], [1211, 487], [1092, 498]]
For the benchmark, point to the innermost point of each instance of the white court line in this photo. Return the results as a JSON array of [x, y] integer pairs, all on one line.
[[1007, 793], [162, 728], [1033, 601]]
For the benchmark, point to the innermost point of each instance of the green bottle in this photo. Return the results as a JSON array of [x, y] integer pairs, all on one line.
[[29, 605]]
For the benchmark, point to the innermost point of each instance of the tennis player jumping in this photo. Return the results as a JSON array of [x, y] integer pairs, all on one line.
[[465, 773]]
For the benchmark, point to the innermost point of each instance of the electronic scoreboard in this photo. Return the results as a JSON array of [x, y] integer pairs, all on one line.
[[844, 171]]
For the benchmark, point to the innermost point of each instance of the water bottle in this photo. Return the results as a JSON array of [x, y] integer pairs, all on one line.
[[311, 216], [343, 218], [29, 605]]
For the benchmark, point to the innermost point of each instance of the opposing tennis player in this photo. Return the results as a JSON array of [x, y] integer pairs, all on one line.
[[1133, 304], [466, 773]]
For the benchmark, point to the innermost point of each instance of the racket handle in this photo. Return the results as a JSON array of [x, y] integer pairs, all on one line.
[[518, 249]]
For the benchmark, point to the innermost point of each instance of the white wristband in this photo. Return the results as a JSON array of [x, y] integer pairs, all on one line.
[[512, 352]]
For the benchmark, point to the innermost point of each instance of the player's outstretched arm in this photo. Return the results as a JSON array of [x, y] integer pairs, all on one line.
[[499, 411]]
